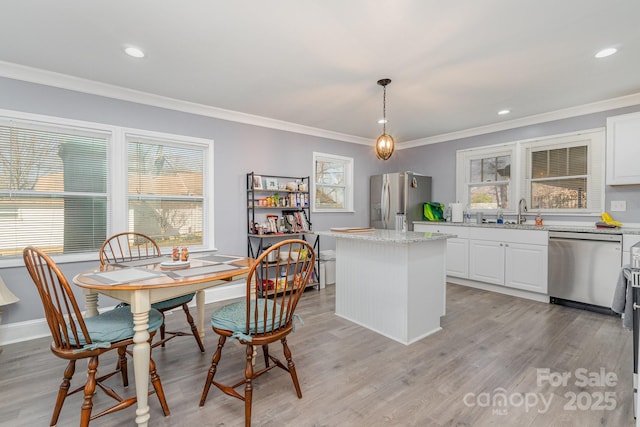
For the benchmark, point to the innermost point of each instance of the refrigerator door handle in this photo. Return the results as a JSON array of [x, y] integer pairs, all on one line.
[[384, 199]]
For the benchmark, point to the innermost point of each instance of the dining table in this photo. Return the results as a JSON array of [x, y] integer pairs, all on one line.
[[142, 282]]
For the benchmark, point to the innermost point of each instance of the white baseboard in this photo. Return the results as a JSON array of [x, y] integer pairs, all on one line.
[[37, 328], [499, 289]]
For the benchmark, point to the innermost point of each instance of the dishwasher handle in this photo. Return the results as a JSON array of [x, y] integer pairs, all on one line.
[[570, 235]]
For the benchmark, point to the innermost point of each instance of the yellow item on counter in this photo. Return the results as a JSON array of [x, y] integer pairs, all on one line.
[[609, 220]]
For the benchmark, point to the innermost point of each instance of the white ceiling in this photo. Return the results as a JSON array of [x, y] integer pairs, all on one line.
[[315, 64]]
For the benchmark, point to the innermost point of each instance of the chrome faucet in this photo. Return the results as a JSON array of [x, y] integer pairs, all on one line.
[[522, 207]]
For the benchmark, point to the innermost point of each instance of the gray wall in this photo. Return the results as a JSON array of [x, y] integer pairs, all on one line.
[[241, 148]]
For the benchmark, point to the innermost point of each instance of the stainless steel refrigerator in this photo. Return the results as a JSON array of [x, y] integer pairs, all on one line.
[[397, 200]]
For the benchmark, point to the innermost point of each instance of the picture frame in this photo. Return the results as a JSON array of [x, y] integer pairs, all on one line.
[[257, 182], [271, 183]]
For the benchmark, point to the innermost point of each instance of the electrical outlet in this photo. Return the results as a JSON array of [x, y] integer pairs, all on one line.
[[618, 205]]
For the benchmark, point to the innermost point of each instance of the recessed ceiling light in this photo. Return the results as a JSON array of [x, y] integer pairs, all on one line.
[[382, 121], [606, 52], [134, 51], [503, 112]]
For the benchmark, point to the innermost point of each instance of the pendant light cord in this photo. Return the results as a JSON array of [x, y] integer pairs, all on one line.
[[384, 109]]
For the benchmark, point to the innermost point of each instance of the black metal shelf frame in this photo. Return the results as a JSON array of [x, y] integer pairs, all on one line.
[[256, 243]]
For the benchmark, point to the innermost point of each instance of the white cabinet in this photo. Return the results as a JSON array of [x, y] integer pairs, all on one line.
[[623, 149], [512, 258], [457, 247], [458, 257], [487, 261], [628, 240], [526, 267]]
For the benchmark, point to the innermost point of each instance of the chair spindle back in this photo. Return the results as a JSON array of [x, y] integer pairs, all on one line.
[[60, 307]]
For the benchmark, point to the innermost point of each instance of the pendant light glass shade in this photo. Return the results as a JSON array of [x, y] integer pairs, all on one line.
[[385, 144]]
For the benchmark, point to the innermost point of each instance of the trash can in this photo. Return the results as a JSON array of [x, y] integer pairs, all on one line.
[[327, 268]]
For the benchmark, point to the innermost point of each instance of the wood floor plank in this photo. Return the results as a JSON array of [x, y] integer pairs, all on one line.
[[350, 376]]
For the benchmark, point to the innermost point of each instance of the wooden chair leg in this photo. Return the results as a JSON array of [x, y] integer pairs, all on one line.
[[157, 386], [265, 352], [248, 386], [122, 365], [292, 367], [194, 328], [89, 390], [162, 329], [212, 370], [62, 392]]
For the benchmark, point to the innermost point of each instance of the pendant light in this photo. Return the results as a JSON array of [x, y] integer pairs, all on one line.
[[385, 143]]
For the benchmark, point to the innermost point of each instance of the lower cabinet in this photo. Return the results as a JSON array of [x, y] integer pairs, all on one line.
[[457, 247], [486, 261], [628, 240], [515, 265], [513, 258], [458, 257]]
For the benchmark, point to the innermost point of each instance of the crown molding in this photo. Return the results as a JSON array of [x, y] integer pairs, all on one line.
[[64, 81], [581, 110]]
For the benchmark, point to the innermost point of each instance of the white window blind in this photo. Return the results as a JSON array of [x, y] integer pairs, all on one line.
[[565, 174], [166, 181], [53, 188]]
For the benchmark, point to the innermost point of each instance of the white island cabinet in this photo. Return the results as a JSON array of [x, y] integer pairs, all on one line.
[[391, 282]]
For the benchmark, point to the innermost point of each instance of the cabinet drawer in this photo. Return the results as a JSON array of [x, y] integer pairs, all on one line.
[[460, 232], [533, 237]]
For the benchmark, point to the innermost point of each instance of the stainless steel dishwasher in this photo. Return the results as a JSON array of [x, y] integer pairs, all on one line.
[[584, 268]]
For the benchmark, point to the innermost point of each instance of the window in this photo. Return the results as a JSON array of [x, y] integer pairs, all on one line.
[[484, 178], [559, 174], [66, 185], [564, 174], [333, 183], [53, 181], [166, 189]]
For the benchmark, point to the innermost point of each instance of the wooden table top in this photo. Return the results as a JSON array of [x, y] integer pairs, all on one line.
[[168, 277]]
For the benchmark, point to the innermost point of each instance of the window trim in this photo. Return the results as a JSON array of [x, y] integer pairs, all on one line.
[[463, 171], [520, 170], [348, 162], [595, 143], [177, 140]]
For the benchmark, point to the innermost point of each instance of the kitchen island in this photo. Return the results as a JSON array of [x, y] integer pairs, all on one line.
[[391, 282]]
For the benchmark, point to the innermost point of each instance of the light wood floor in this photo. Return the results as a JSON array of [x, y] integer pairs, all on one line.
[[490, 344]]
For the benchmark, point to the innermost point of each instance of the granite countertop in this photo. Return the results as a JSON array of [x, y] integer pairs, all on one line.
[[555, 227], [391, 236]]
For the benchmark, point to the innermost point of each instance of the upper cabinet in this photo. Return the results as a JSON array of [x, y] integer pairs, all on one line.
[[623, 149]]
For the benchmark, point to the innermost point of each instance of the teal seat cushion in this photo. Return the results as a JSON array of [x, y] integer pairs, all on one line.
[[173, 302], [113, 326], [233, 317]]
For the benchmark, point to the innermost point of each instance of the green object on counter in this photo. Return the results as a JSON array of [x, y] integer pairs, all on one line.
[[433, 211]]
